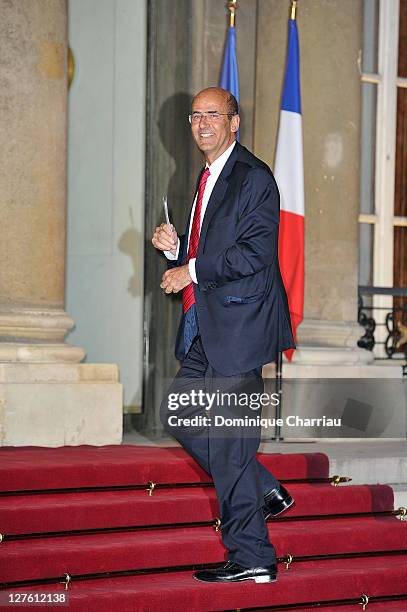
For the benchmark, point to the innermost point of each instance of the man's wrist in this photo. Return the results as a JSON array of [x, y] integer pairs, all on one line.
[[172, 256]]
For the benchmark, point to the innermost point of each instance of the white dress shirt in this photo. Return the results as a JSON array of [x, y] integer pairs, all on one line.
[[215, 169]]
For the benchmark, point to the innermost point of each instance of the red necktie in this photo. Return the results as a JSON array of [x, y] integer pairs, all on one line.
[[188, 297]]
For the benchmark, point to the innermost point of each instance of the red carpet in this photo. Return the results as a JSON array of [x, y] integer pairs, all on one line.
[[31, 467], [28, 558]]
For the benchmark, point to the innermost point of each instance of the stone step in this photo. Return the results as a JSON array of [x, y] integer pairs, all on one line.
[[365, 461], [400, 495], [371, 470]]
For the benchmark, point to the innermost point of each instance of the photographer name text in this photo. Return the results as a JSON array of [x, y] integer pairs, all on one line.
[[256, 421]]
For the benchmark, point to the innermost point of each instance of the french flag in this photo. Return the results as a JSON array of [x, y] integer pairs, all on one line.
[[289, 174]]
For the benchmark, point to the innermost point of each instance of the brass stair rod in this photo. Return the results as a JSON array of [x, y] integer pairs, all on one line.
[[289, 559], [312, 517], [334, 480], [175, 568], [329, 603]]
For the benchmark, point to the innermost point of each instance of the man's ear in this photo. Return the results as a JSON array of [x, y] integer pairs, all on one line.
[[234, 123]]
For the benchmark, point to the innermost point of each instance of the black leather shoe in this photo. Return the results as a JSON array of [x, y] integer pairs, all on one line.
[[276, 502], [232, 572]]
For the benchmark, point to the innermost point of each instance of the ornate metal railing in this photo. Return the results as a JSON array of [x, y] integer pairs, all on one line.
[[395, 320]]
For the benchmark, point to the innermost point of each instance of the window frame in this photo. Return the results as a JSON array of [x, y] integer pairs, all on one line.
[[383, 219]]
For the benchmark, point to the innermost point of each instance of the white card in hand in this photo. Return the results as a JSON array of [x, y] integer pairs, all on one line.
[[165, 204]]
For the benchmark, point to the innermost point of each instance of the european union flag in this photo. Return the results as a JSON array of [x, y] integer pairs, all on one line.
[[229, 77]]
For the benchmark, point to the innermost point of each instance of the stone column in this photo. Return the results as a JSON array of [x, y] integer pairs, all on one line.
[[33, 44], [33, 322]]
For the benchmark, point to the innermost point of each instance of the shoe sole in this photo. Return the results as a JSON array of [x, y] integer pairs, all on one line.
[[257, 579], [288, 503], [265, 579]]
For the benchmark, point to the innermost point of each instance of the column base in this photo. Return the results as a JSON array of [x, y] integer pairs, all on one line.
[[36, 335], [328, 344], [60, 353], [320, 332], [60, 404], [331, 355]]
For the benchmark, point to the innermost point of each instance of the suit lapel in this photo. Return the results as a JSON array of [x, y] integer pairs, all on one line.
[[218, 194]]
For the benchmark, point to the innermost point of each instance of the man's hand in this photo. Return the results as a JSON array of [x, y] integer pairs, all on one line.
[[165, 238], [176, 279]]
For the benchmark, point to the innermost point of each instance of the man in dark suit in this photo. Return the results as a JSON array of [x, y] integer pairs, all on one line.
[[235, 319]]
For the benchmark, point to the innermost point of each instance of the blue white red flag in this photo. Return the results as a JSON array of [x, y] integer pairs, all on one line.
[[289, 174]]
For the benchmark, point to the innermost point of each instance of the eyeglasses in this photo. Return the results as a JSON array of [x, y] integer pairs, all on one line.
[[211, 116]]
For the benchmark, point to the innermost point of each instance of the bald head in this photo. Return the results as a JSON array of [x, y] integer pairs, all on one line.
[[228, 99]]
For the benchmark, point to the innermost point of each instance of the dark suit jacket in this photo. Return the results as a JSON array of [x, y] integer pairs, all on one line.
[[241, 302]]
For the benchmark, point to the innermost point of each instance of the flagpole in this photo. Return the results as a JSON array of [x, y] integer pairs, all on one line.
[[279, 391], [232, 7], [293, 9]]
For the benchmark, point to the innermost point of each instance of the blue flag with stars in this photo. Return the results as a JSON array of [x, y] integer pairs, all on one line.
[[229, 76]]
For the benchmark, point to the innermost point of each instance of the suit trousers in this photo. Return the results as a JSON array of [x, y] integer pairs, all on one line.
[[225, 450]]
